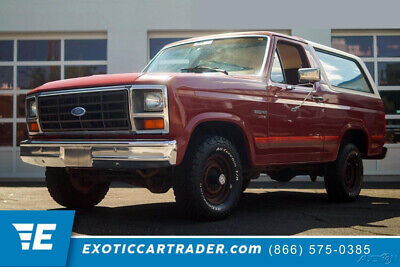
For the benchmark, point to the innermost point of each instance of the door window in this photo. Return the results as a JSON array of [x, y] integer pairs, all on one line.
[[277, 71], [293, 58]]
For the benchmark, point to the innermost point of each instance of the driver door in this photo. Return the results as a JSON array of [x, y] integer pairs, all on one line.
[[294, 126]]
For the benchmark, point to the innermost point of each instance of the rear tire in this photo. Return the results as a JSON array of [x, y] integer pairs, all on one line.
[[74, 192], [344, 177], [208, 185]]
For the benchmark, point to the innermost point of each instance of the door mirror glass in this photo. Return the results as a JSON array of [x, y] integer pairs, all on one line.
[[309, 75]]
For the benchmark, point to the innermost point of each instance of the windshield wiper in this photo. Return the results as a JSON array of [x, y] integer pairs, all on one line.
[[200, 69]]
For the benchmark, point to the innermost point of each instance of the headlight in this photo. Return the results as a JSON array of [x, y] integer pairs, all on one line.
[[153, 101], [31, 105]]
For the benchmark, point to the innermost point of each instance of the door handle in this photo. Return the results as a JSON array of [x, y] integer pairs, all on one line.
[[317, 98]]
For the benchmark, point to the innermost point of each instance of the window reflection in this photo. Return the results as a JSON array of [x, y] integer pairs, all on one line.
[[388, 46], [6, 130], [6, 78], [156, 44], [80, 71], [22, 132], [90, 49], [391, 100], [371, 69], [30, 77], [21, 106], [393, 131], [38, 50], [389, 73], [343, 72], [6, 104], [361, 46], [6, 50], [39, 53]]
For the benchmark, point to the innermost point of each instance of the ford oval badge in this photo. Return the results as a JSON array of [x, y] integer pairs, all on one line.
[[78, 111]]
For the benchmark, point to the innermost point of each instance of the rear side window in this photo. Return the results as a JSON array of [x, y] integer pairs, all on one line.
[[344, 72]]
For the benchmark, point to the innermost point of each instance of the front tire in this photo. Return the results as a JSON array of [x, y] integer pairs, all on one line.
[[344, 177], [209, 184], [74, 191]]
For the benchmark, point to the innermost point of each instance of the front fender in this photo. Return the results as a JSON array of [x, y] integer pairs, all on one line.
[[214, 117]]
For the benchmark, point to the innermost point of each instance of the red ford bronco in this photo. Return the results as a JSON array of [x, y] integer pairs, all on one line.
[[205, 117]]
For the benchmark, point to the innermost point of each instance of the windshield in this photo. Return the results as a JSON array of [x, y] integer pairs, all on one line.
[[238, 56]]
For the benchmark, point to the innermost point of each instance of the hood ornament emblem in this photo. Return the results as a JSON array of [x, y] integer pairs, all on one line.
[[78, 111]]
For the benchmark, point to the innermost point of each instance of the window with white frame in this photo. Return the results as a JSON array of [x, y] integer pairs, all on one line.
[[30, 60], [380, 51]]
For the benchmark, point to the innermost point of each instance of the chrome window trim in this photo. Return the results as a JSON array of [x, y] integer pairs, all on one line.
[[262, 69], [132, 115]]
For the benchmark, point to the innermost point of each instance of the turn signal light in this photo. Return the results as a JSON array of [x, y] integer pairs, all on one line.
[[33, 127], [152, 124]]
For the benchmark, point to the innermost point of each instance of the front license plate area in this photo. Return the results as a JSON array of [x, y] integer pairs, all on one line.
[[76, 156]]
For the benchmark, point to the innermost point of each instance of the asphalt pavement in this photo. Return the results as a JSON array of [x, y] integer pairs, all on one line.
[[267, 208]]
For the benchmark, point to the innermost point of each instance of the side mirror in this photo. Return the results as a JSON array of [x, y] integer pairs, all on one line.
[[309, 75]]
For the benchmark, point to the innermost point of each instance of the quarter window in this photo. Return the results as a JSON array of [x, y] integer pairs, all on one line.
[[381, 53], [344, 72]]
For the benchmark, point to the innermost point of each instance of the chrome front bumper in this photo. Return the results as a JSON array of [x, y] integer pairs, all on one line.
[[100, 154]]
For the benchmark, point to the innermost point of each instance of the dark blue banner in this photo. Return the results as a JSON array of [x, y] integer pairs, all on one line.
[[237, 251], [35, 238], [43, 238]]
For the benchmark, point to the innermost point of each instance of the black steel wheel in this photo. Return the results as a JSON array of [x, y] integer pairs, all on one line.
[[208, 184], [343, 178], [217, 176]]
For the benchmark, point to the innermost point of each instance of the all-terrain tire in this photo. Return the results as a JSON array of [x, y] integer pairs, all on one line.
[[344, 177], [64, 192], [208, 185]]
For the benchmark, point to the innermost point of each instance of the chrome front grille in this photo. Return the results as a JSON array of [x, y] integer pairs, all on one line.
[[104, 111]]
